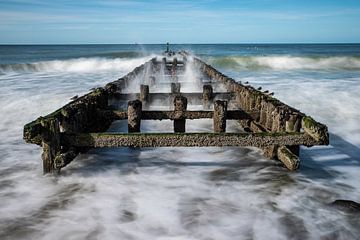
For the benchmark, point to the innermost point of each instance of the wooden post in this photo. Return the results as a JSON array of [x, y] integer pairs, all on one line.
[[152, 80], [175, 87], [50, 144], [207, 96], [134, 116], [144, 93], [293, 124], [180, 105], [220, 109], [173, 68]]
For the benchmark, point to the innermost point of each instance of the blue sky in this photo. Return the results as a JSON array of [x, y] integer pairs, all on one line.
[[179, 21]]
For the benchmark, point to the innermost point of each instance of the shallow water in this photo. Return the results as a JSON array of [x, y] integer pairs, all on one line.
[[179, 193]]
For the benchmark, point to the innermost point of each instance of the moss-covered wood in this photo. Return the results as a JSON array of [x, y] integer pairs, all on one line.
[[160, 115], [315, 129], [273, 125], [187, 139], [288, 158], [80, 115], [195, 97]]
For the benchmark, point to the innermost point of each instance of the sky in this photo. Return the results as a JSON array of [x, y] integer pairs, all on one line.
[[179, 21]]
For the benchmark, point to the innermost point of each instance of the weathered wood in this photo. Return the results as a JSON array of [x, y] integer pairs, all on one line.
[[180, 105], [288, 154], [188, 139], [315, 129], [134, 116], [276, 125], [79, 115], [50, 143], [63, 159], [160, 115], [220, 115], [288, 158], [152, 80], [194, 97], [174, 68], [144, 93], [175, 87], [207, 96], [207, 92]]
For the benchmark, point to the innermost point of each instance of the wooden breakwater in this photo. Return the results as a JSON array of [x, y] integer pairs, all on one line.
[[265, 122]]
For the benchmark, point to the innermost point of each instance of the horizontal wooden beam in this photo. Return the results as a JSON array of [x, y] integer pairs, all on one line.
[[161, 96], [99, 140], [160, 115]]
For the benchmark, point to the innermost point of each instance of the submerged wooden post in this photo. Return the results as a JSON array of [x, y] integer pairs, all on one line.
[[180, 105], [50, 144], [175, 87], [152, 80], [173, 68], [207, 96], [144, 93], [220, 110], [134, 116]]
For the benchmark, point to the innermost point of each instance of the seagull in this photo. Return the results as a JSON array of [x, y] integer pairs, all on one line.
[[271, 94], [266, 91], [259, 88], [246, 82]]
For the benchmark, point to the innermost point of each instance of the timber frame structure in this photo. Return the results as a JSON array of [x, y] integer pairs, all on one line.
[[265, 122]]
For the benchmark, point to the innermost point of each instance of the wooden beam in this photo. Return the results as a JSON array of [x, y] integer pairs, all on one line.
[[160, 115], [288, 158], [160, 96], [100, 140]]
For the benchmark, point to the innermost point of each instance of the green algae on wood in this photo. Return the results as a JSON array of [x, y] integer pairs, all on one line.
[[187, 139], [315, 129]]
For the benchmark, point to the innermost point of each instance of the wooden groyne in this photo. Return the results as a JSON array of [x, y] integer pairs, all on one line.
[[265, 122]]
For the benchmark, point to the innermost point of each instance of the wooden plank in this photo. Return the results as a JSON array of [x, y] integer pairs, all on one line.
[[100, 140], [159, 96], [160, 115]]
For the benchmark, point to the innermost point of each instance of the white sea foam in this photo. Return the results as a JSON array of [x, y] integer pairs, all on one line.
[[74, 65], [288, 62]]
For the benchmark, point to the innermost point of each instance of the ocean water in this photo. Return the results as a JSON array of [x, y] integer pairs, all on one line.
[[181, 193]]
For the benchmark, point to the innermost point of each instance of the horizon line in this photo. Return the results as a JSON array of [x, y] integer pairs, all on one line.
[[259, 43]]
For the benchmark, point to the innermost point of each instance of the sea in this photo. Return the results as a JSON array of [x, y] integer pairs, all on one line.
[[181, 193]]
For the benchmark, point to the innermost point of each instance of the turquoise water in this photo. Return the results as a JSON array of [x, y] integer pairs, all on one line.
[[181, 193]]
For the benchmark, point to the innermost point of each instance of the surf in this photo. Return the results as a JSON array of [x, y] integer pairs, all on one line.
[[288, 62], [91, 64]]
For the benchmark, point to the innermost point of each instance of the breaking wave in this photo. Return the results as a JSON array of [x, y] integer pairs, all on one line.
[[74, 65], [129, 54], [287, 63]]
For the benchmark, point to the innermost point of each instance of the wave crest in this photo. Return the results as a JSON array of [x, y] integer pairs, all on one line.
[[74, 65], [287, 63]]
